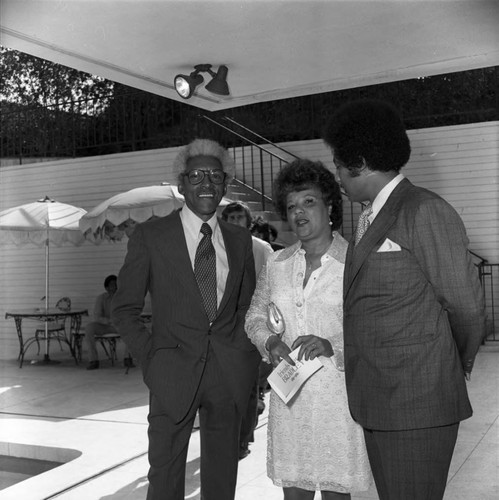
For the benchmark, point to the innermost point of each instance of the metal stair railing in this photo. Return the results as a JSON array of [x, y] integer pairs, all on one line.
[[489, 278], [257, 180], [258, 136], [249, 179]]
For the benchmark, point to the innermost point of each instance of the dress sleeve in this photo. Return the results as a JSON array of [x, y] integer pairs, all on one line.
[[256, 318]]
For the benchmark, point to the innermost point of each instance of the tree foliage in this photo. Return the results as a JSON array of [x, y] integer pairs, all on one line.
[[29, 80], [49, 110]]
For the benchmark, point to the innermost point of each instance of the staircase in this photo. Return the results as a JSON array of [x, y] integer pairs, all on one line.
[[256, 167]]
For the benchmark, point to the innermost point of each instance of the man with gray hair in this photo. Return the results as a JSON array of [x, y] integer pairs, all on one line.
[[200, 274]]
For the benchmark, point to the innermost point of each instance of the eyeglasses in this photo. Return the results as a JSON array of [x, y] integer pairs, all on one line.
[[196, 176]]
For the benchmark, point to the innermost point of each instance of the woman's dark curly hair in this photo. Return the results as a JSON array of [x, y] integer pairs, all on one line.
[[370, 130], [305, 174]]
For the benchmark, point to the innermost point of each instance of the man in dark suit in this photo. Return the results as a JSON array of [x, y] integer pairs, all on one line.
[[200, 274], [413, 309]]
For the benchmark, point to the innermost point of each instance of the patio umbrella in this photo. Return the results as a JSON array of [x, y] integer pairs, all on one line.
[[118, 215], [43, 222]]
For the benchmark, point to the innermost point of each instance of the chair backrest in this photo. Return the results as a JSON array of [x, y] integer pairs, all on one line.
[[64, 304]]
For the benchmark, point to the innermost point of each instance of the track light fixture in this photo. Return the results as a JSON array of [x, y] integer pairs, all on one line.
[[186, 84]]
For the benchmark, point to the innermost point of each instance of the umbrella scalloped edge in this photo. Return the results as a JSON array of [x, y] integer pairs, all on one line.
[[38, 238], [119, 216]]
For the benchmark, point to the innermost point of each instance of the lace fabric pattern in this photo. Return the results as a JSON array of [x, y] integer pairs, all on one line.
[[312, 443]]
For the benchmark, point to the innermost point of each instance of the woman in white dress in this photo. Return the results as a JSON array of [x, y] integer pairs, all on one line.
[[313, 443]]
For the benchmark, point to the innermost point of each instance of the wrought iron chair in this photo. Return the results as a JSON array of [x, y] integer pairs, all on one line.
[[109, 339], [57, 327]]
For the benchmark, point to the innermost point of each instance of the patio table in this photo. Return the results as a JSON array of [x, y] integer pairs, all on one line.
[[47, 315]]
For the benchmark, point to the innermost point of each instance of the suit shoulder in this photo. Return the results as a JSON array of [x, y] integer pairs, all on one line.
[[419, 205], [426, 194], [156, 223], [415, 196]]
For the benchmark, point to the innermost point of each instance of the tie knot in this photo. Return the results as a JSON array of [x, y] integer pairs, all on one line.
[[206, 229], [363, 223]]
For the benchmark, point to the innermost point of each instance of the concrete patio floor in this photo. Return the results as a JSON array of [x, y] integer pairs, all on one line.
[[95, 423]]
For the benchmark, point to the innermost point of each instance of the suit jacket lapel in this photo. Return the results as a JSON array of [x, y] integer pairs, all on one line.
[[356, 255], [172, 241], [174, 249]]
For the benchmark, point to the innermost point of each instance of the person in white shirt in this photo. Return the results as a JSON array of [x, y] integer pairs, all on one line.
[[102, 320], [239, 214]]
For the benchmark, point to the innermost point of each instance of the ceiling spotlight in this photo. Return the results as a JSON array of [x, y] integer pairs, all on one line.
[[219, 83], [186, 84]]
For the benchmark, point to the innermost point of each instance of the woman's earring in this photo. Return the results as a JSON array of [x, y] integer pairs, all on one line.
[[330, 222]]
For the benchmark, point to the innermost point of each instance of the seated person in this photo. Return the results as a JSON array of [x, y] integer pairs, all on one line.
[[102, 323]]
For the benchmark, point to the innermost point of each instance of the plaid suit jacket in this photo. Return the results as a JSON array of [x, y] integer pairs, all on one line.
[[413, 318], [173, 357]]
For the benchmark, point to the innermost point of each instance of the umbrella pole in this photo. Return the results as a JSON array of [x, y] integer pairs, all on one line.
[[47, 359]]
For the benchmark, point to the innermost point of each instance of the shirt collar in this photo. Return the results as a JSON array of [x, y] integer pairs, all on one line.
[[383, 195], [193, 223], [337, 249]]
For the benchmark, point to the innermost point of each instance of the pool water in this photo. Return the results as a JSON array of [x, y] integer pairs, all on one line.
[[13, 470]]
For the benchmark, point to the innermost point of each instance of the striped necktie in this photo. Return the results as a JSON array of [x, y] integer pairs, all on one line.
[[363, 223], [205, 270]]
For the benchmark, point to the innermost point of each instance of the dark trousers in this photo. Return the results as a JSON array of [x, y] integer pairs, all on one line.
[[412, 464], [219, 422]]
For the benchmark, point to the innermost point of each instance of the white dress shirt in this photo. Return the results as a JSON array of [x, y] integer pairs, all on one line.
[[261, 252], [383, 195], [191, 224]]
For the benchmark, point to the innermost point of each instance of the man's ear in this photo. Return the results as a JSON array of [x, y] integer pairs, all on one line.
[[180, 189], [366, 170], [225, 189]]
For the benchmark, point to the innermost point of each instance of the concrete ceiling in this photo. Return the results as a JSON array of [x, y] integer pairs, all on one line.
[[273, 49]]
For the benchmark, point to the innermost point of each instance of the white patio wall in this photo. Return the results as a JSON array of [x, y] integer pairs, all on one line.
[[461, 163]]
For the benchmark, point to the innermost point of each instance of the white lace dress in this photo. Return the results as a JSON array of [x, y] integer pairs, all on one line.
[[313, 443]]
